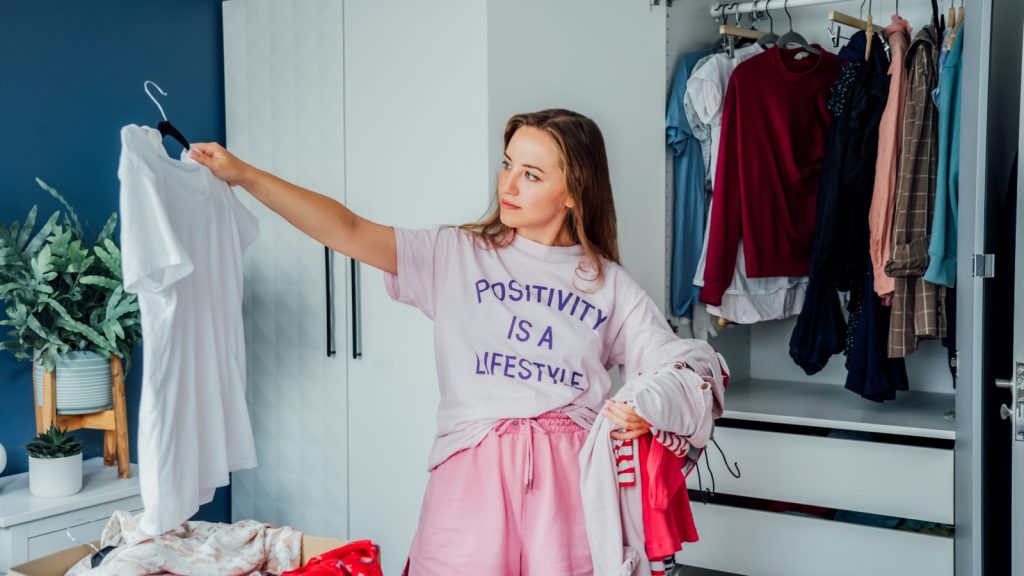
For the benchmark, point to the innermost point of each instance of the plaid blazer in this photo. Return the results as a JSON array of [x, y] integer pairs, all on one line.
[[918, 307]]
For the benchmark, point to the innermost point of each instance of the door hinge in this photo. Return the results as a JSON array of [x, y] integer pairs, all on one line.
[[984, 266]]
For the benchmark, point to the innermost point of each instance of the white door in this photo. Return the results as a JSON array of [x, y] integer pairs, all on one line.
[[284, 80], [417, 157]]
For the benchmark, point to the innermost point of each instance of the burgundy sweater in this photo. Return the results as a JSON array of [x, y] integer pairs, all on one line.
[[774, 130]]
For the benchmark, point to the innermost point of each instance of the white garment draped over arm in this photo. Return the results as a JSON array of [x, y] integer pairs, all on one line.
[[678, 386]]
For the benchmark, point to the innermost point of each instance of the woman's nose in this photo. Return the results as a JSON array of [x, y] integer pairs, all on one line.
[[507, 185]]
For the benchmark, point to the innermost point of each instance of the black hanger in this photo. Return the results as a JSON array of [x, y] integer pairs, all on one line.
[[165, 127], [769, 39], [792, 37]]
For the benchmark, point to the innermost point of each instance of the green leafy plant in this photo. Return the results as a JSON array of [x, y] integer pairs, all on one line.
[[54, 443], [60, 293]]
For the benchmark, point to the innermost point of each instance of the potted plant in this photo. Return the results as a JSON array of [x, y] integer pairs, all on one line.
[[54, 464], [66, 305]]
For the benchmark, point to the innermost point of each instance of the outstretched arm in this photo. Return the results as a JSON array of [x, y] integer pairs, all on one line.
[[324, 219]]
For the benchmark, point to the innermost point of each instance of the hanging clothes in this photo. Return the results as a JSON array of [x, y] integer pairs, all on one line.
[[870, 372], [183, 235], [820, 330], [746, 300], [688, 203], [771, 170], [942, 249], [889, 139], [917, 305]]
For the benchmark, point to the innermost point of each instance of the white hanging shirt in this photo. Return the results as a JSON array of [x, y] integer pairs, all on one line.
[[751, 300], [183, 234], [705, 93]]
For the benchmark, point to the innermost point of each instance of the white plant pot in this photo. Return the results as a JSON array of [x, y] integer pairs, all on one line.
[[55, 477], [84, 383]]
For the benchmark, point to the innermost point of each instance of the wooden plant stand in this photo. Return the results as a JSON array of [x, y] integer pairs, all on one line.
[[113, 421]]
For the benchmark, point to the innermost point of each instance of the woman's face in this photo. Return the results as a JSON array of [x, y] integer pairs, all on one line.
[[532, 191]]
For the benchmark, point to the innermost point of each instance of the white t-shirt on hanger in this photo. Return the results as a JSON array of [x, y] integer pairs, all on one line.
[[183, 235]]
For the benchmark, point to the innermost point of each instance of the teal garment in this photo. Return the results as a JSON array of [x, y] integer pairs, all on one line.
[[688, 199], [942, 248]]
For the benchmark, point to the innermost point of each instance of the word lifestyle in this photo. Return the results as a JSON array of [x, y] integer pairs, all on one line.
[[518, 367], [565, 301]]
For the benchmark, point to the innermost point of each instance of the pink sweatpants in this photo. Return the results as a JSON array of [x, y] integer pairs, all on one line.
[[510, 506]]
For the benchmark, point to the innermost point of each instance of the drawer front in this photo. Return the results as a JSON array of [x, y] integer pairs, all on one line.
[[85, 515], [759, 543], [888, 479], [47, 543]]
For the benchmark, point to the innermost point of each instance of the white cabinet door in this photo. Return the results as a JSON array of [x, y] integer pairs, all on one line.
[[284, 82], [416, 134]]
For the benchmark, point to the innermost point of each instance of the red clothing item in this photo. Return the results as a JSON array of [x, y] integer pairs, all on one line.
[[668, 520], [359, 558], [774, 131]]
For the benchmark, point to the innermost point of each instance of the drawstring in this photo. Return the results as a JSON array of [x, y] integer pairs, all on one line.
[[528, 424]]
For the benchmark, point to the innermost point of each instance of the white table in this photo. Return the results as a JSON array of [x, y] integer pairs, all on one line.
[[32, 527]]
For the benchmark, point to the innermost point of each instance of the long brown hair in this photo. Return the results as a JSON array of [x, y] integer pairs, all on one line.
[[591, 221]]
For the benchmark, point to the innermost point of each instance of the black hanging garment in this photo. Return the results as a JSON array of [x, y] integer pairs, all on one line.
[[870, 371], [820, 330]]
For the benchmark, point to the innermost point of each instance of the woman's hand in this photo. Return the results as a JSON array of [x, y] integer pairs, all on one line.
[[222, 163], [624, 416]]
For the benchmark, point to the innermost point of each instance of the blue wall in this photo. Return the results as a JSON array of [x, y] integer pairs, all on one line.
[[71, 76]]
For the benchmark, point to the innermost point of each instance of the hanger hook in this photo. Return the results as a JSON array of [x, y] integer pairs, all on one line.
[[771, 22], [145, 86], [725, 460], [785, 6], [81, 521], [860, 13]]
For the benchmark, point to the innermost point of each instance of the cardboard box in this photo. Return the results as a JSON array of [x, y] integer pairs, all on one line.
[[58, 563]]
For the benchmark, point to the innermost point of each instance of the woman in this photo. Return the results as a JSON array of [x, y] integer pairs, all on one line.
[[531, 308]]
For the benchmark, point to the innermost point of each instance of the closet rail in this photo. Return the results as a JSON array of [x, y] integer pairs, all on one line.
[[727, 8]]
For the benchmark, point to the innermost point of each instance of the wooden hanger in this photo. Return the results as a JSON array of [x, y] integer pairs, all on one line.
[[869, 31], [726, 30], [956, 28], [841, 18]]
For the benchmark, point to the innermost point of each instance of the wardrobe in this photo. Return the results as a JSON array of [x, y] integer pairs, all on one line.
[[397, 109]]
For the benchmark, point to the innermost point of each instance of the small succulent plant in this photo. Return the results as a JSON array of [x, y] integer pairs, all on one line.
[[54, 443]]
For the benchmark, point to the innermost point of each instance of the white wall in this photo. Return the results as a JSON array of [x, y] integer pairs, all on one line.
[[599, 58]]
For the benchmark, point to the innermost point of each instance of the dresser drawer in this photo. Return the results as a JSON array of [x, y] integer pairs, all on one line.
[[99, 512], [44, 544], [756, 543], [887, 479]]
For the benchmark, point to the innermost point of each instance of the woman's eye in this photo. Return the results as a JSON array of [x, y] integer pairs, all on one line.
[[532, 177], [505, 165]]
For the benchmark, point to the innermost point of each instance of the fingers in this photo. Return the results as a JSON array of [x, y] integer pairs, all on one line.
[[200, 154], [625, 417], [628, 435]]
